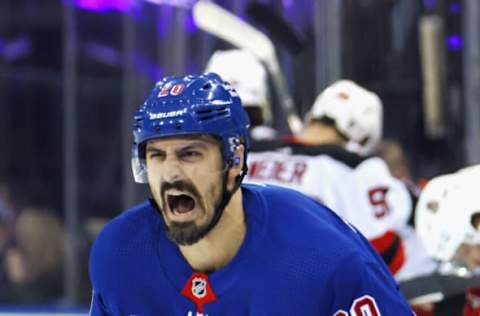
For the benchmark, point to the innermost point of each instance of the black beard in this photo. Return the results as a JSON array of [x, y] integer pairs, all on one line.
[[187, 233]]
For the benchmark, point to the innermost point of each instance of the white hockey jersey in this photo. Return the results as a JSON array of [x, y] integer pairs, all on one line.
[[361, 190], [327, 180]]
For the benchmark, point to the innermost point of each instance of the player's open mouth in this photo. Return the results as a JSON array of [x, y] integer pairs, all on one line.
[[181, 204]]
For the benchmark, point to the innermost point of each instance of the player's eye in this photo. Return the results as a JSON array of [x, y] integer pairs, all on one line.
[[190, 155]]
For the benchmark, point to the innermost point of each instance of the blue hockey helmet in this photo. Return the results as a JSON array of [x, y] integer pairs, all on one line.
[[190, 105]]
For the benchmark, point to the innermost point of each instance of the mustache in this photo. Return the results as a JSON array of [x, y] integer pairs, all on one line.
[[181, 186]]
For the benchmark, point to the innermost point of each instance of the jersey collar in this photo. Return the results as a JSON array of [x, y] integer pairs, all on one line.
[[178, 271]]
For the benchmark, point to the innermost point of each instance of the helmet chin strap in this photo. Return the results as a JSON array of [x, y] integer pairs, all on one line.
[[226, 196]]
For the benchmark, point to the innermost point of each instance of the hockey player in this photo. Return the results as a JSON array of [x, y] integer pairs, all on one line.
[[447, 219], [344, 116], [249, 78], [356, 115], [205, 244]]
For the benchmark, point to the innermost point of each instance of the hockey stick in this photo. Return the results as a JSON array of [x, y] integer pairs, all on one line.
[[280, 30], [301, 49], [217, 21]]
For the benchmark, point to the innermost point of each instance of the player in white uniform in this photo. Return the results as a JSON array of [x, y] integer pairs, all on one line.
[[358, 115], [448, 219], [323, 175], [347, 116], [249, 78]]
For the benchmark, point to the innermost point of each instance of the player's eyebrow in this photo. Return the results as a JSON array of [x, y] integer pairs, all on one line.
[[194, 145], [203, 145], [154, 150]]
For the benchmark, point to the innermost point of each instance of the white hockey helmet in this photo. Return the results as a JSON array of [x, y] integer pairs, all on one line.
[[472, 171], [448, 214], [357, 112], [246, 74]]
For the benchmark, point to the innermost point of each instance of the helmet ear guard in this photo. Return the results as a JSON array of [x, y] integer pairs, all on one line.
[[236, 161]]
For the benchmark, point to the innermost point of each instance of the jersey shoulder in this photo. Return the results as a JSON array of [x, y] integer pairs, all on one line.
[[125, 237], [370, 289], [374, 164], [307, 221], [133, 222], [335, 152], [318, 239], [292, 146]]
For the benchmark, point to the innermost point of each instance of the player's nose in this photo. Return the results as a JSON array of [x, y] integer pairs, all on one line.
[[172, 170]]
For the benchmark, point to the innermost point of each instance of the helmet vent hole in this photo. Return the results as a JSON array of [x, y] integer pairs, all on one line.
[[207, 86], [475, 220], [212, 113], [433, 206], [204, 111], [364, 141]]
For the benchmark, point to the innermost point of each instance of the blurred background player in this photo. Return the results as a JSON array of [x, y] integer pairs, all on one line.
[[318, 163], [34, 259], [356, 115], [344, 126], [448, 222], [249, 78]]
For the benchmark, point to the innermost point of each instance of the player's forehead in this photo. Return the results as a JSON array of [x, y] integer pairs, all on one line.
[[200, 141]]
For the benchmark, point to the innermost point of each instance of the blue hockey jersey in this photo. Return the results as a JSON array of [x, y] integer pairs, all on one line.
[[298, 258]]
